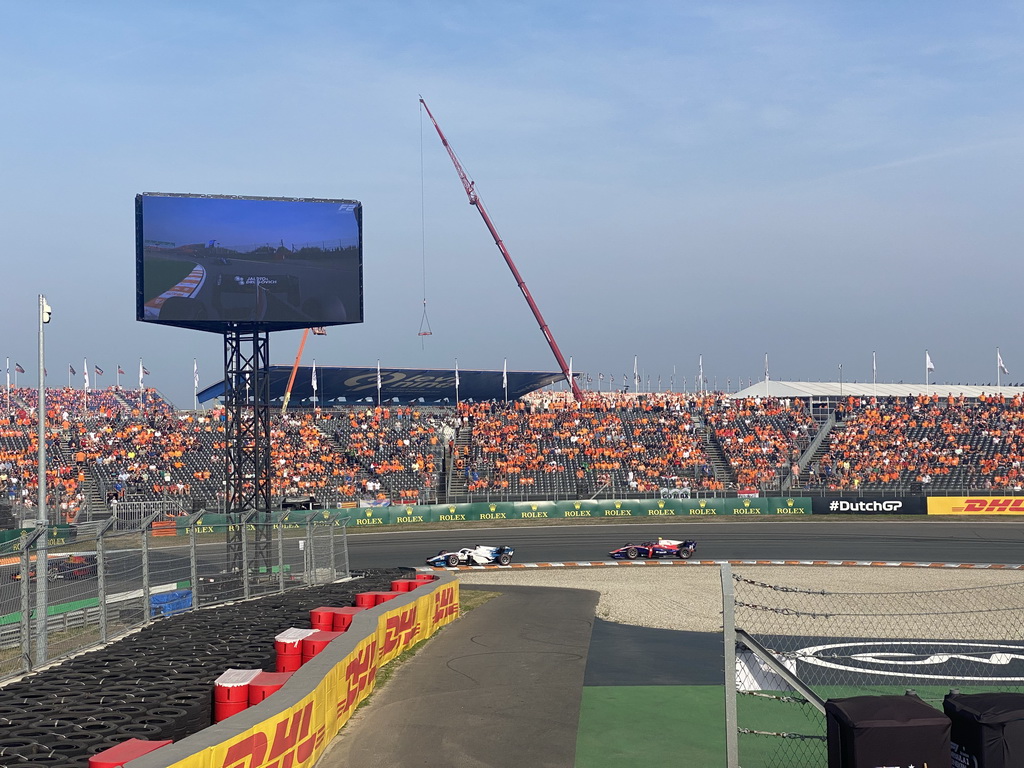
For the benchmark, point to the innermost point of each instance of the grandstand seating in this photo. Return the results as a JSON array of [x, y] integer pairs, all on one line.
[[115, 445]]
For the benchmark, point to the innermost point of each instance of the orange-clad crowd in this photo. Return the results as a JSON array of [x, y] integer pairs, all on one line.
[[114, 445], [934, 441]]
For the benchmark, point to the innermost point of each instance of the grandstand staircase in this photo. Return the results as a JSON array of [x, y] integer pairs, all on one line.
[[819, 447], [457, 485], [713, 449]]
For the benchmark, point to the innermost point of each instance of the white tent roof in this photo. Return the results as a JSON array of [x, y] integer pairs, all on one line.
[[821, 389]]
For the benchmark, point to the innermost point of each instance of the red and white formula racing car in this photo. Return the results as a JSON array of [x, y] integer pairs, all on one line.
[[656, 548]]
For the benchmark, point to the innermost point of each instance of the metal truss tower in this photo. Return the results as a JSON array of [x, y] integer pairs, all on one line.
[[247, 446]]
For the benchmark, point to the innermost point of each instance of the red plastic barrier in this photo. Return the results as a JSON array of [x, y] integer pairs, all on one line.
[[288, 645], [404, 585], [316, 642], [119, 754], [264, 684], [425, 577], [322, 618], [343, 617], [383, 597], [366, 599], [231, 692]]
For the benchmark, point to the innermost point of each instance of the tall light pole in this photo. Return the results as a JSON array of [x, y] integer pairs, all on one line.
[[41, 519]]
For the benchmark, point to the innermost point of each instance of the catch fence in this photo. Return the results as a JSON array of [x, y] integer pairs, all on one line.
[[115, 578], [791, 645]]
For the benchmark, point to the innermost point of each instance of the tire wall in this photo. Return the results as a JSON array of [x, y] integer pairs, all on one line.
[[296, 724]]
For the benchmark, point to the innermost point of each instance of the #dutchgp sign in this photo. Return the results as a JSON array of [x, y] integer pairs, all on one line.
[[869, 505]]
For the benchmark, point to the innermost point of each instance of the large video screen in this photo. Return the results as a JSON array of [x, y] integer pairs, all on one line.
[[219, 263]]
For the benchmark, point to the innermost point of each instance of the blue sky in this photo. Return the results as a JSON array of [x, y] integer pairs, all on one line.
[[813, 180]]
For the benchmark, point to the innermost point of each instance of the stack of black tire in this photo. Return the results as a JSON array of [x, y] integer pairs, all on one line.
[[156, 683]]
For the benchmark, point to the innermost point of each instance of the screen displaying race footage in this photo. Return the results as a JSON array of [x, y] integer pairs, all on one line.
[[217, 263]]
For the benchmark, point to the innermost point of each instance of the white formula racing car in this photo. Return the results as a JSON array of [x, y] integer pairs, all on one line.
[[478, 555]]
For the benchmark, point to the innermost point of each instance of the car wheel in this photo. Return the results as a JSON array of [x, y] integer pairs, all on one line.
[[452, 561], [631, 553], [504, 558], [685, 553]]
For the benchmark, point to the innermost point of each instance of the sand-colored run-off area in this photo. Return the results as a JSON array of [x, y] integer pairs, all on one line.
[[862, 601]]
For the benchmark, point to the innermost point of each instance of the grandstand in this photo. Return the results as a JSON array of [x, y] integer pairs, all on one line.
[[115, 447]]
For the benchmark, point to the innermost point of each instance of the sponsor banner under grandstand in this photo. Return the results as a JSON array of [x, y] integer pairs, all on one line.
[[523, 510], [10, 541], [578, 510], [877, 504], [976, 505]]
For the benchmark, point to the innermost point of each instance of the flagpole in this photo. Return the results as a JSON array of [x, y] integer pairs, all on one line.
[[874, 377], [999, 360], [456, 382], [195, 384], [927, 368], [378, 383]]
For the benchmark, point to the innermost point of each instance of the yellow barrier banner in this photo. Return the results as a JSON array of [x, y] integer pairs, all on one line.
[[976, 505], [295, 738]]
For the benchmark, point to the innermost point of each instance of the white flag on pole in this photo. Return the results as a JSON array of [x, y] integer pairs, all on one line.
[[456, 373], [379, 382], [312, 378], [195, 374], [999, 362], [570, 370], [85, 371], [928, 364], [874, 366], [766, 366], [504, 374]]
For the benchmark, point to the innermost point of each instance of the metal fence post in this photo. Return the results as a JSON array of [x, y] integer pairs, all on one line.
[[280, 550], [193, 565], [26, 615], [309, 558], [732, 758], [101, 576], [330, 533], [243, 522], [147, 522], [344, 544]]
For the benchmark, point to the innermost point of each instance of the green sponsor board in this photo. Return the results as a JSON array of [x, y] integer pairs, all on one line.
[[484, 512], [368, 517], [10, 540], [772, 505]]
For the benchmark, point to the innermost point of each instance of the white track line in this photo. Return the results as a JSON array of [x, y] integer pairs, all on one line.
[[847, 563]]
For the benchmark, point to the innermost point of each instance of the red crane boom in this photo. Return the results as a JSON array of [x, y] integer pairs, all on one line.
[[475, 200]]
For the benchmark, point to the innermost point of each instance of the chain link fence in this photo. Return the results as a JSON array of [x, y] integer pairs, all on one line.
[[797, 645], [114, 578]]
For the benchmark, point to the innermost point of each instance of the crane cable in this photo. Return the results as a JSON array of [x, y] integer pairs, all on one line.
[[424, 320]]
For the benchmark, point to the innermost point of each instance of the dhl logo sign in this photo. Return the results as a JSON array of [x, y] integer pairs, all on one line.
[[400, 631], [360, 673], [445, 605], [293, 744], [991, 505]]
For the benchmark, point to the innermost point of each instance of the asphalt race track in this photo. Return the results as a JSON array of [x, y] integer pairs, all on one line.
[[889, 540]]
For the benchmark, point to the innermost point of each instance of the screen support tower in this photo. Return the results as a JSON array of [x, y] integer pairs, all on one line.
[[247, 445]]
